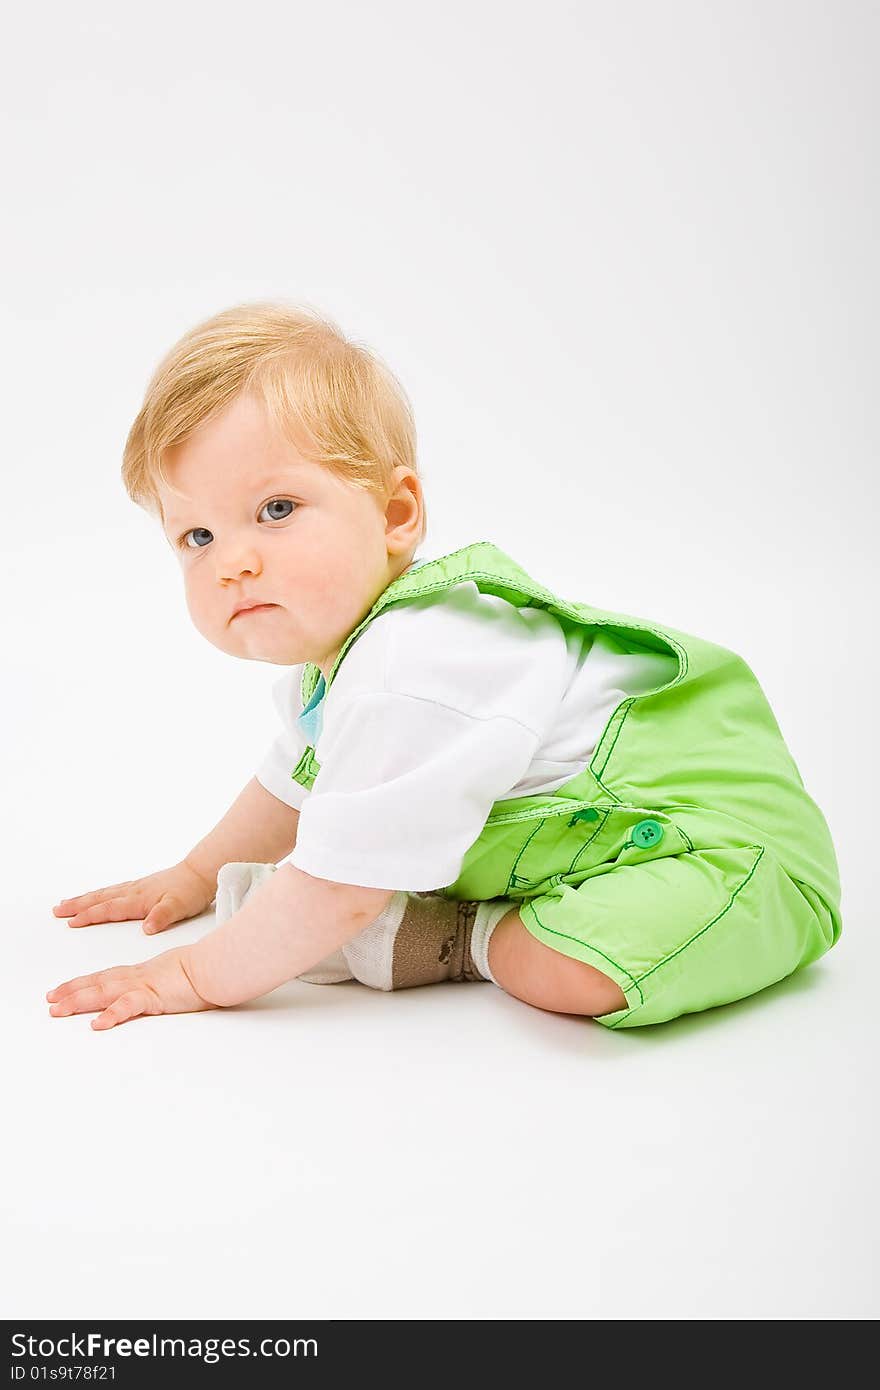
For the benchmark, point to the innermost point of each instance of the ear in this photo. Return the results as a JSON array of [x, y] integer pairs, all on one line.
[[404, 512]]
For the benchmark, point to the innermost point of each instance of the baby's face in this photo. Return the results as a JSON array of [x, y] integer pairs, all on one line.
[[261, 524]]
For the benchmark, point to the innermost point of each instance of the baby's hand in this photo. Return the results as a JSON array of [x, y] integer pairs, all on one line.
[[161, 899], [157, 986]]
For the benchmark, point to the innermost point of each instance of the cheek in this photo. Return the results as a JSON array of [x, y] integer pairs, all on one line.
[[199, 608]]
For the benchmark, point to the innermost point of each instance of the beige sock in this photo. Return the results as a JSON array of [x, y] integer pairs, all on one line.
[[422, 939]]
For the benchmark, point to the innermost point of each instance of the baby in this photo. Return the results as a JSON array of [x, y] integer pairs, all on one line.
[[475, 779]]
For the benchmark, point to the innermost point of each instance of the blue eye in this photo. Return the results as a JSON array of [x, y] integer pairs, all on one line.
[[274, 502], [280, 502], [196, 531]]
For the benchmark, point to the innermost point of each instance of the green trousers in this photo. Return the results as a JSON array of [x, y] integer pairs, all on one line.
[[687, 861]]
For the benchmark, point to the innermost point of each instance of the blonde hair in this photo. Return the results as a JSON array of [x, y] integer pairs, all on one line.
[[330, 396]]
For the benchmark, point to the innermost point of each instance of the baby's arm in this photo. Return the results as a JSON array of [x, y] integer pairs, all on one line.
[[287, 925], [257, 827]]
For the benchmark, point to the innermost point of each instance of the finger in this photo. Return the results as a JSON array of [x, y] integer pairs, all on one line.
[[130, 1005], [127, 909], [163, 915], [82, 981], [85, 1001], [68, 905]]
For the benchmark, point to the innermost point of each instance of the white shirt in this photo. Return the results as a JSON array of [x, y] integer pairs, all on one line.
[[441, 707]]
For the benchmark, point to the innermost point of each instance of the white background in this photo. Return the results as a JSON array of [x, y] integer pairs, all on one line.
[[623, 260]]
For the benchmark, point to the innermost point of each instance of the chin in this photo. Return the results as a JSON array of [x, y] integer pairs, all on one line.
[[276, 657]]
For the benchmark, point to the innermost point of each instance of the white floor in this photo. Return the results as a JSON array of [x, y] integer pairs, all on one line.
[[444, 1152]]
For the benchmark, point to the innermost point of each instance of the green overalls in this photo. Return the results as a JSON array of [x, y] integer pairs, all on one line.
[[687, 861]]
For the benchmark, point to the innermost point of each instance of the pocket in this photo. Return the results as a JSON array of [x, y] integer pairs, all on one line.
[[765, 929]]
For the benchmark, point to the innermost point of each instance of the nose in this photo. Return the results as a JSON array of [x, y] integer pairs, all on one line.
[[236, 555]]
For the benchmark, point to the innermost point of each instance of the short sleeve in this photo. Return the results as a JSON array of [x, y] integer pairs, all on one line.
[[405, 787], [286, 749]]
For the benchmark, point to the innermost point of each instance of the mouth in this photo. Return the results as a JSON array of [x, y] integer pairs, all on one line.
[[257, 608]]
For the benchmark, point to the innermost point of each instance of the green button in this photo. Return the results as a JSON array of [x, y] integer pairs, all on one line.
[[647, 832], [587, 814]]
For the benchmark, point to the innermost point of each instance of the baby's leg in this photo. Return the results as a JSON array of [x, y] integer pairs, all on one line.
[[538, 975], [424, 938]]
